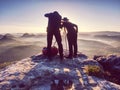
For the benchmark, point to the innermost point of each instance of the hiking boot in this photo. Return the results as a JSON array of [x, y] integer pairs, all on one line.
[[75, 56], [69, 57], [61, 57]]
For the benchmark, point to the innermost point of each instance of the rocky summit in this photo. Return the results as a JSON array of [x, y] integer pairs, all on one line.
[[37, 73]]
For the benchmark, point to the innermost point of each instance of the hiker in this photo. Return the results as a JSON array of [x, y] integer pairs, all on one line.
[[54, 22], [72, 31]]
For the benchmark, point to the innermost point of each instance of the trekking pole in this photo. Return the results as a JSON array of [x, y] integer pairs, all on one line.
[[65, 38], [54, 43], [65, 41]]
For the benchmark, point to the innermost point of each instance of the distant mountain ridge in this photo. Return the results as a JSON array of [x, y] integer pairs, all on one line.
[[102, 33], [7, 38], [107, 33]]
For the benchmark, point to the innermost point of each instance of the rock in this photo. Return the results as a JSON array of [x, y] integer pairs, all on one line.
[[92, 67], [28, 74], [81, 55], [110, 63], [91, 62]]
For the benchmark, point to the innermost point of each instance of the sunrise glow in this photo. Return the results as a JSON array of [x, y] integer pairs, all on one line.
[[89, 15]]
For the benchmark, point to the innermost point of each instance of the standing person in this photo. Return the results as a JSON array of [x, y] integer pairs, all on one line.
[[72, 31], [54, 22]]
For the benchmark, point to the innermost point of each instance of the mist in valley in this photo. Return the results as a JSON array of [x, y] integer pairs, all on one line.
[[14, 47]]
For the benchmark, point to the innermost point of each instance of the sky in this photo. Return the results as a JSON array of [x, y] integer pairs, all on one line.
[[21, 16]]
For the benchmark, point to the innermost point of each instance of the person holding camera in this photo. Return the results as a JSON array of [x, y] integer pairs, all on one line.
[[54, 23]]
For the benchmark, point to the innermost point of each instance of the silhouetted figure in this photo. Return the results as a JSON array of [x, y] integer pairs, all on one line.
[[54, 22], [72, 30]]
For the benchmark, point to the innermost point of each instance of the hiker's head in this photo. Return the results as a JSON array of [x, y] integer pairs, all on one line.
[[65, 19], [56, 12]]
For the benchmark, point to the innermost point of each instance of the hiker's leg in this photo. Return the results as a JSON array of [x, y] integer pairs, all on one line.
[[75, 45], [49, 43], [59, 42], [75, 49], [70, 45]]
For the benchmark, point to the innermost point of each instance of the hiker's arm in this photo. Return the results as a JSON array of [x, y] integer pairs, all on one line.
[[76, 27], [47, 14]]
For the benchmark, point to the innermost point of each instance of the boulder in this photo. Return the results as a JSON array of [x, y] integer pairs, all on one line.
[[110, 63], [93, 68]]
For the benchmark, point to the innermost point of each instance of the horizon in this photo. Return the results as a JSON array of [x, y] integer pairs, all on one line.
[[23, 16], [61, 32]]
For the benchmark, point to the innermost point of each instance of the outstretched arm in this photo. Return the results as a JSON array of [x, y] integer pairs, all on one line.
[[47, 14], [76, 27]]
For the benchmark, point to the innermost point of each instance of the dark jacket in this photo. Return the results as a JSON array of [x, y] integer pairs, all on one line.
[[54, 21], [71, 28]]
